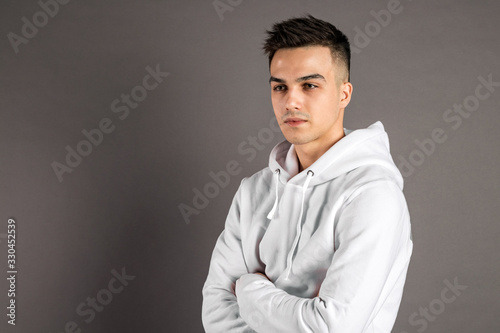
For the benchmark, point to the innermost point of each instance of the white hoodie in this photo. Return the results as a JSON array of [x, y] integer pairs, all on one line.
[[334, 240]]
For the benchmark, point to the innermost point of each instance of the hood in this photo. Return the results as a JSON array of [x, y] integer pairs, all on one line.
[[367, 146]]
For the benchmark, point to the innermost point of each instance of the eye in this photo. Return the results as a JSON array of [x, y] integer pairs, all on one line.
[[279, 87], [310, 86]]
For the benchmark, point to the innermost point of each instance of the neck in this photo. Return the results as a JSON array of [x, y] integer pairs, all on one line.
[[309, 153]]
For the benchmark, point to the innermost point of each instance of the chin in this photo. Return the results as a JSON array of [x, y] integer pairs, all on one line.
[[298, 140]]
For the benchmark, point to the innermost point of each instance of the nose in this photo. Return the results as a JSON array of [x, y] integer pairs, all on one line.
[[293, 99]]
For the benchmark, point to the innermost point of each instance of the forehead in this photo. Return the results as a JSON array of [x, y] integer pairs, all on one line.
[[300, 61]]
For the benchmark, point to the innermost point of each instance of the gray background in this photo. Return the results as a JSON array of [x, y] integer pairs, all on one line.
[[119, 207]]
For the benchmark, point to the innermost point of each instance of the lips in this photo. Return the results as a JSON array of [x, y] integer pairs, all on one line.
[[294, 121]]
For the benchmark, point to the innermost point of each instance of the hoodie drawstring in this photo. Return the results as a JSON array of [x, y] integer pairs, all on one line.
[[277, 180], [310, 173]]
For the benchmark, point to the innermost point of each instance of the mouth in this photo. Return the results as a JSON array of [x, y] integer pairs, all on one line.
[[294, 122]]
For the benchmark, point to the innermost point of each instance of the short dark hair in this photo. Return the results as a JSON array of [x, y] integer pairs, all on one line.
[[308, 31]]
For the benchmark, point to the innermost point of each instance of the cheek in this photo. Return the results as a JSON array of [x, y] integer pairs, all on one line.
[[274, 100], [323, 102], [325, 109], [277, 104]]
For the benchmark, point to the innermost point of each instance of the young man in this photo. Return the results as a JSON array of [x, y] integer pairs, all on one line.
[[320, 241]]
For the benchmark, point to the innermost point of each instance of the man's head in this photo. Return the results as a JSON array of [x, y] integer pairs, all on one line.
[[310, 88], [310, 31]]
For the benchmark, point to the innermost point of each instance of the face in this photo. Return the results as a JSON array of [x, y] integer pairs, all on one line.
[[309, 95]]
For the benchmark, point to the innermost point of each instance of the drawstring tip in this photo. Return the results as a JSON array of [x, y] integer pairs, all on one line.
[[272, 214]]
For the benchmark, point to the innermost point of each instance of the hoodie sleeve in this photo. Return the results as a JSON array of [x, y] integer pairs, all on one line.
[[220, 310], [374, 247]]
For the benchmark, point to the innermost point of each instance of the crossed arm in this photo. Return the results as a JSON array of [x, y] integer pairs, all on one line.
[[370, 239], [257, 273]]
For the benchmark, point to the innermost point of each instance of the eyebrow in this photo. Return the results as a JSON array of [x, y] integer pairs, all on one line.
[[300, 79]]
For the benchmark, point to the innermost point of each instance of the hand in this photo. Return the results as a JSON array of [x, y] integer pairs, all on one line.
[[233, 286]]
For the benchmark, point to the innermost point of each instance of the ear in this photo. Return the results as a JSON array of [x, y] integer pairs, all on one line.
[[345, 94]]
